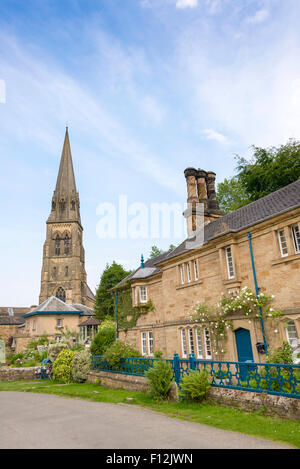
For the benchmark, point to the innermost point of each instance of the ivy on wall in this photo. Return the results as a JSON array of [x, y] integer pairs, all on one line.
[[128, 314]]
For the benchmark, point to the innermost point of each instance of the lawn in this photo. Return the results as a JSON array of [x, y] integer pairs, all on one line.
[[251, 423]]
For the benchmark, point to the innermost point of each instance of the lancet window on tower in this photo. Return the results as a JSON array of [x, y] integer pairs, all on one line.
[[57, 245], [61, 294], [67, 242]]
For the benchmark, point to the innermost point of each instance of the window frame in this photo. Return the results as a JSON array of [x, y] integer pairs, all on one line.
[[191, 340], [181, 273], [199, 341], [282, 242], [183, 343], [150, 344], [144, 343], [296, 238], [188, 272], [228, 261], [144, 288], [207, 343], [196, 273], [287, 332]]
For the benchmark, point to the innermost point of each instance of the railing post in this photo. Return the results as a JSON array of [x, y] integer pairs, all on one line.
[[176, 368], [192, 361]]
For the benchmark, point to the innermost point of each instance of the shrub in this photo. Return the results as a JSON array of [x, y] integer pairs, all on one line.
[[104, 338], [118, 350], [282, 355], [160, 378], [63, 366], [195, 386], [55, 349], [158, 354], [81, 366]]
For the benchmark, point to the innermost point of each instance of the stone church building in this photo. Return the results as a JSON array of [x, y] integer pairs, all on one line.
[[256, 244], [65, 300]]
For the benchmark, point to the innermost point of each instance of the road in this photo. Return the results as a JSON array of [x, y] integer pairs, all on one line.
[[43, 421]]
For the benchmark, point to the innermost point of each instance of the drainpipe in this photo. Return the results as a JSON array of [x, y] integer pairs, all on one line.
[[117, 315], [257, 294]]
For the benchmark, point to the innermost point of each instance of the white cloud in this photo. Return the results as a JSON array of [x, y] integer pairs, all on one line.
[[259, 17], [213, 135], [43, 98], [186, 3]]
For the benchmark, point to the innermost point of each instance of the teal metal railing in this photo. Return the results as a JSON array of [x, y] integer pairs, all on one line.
[[282, 380]]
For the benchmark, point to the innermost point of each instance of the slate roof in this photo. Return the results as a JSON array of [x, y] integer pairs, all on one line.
[[53, 304], [277, 202], [90, 322], [16, 319]]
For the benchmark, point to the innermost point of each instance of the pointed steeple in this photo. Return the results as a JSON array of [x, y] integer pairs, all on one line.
[[66, 180], [65, 200]]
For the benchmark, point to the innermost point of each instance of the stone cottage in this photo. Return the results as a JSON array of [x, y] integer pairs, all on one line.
[[258, 242]]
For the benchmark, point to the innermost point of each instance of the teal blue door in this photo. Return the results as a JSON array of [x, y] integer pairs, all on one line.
[[244, 351]]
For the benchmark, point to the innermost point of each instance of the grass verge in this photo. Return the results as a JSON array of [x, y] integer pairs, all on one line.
[[250, 423]]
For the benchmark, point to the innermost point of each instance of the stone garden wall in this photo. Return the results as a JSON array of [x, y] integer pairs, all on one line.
[[269, 404], [17, 374]]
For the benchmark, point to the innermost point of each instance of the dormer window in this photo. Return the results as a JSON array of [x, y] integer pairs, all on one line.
[[143, 294]]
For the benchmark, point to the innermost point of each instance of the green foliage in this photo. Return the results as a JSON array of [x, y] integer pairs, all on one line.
[[63, 366], [218, 319], [81, 366], [268, 170], [55, 349], [104, 337], [118, 350], [195, 386], [129, 314], [160, 379], [282, 355], [231, 195], [155, 251], [43, 340], [105, 302], [158, 354]]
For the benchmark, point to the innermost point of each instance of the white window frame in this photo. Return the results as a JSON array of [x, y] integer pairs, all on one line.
[[199, 347], [196, 275], [144, 342], [150, 344], [59, 323], [207, 343], [292, 340], [143, 298], [296, 237], [230, 264], [282, 243], [183, 343], [181, 274], [188, 272], [191, 341]]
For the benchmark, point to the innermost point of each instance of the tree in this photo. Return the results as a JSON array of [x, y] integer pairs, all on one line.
[[155, 251], [231, 195], [268, 170], [105, 301]]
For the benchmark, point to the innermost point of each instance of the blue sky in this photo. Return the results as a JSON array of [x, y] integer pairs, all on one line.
[[147, 88]]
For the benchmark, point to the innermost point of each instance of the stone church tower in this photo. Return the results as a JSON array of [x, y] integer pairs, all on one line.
[[63, 271]]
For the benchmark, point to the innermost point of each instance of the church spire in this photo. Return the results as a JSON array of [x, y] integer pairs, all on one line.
[[66, 180], [65, 200]]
